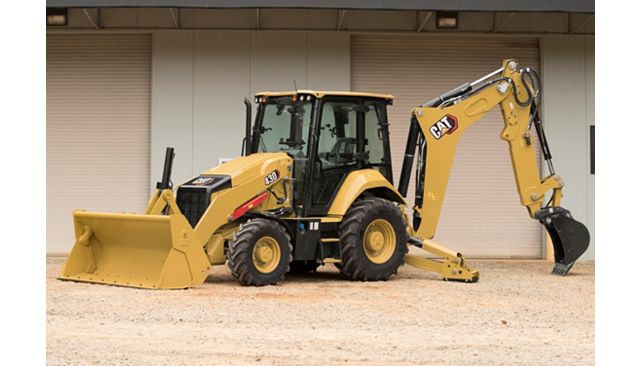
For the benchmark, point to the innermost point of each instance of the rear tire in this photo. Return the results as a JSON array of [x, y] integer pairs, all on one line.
[[259, 253], [373, 240]]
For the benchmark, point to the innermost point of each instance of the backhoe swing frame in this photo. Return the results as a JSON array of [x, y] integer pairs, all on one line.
[[436, 129]]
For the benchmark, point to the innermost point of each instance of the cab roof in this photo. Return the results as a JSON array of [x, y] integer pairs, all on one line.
[[322, 94]]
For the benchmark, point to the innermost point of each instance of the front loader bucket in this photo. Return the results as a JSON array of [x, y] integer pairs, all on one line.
[[147, 251], [570, 237]]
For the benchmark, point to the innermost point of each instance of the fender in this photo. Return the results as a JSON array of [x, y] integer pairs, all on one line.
[[358, 182]]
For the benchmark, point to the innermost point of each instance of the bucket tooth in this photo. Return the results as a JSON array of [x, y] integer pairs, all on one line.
[[561, 270]]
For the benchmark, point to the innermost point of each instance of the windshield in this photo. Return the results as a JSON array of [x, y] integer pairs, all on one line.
[[285, 126]]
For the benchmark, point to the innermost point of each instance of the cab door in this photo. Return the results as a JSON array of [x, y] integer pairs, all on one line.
[[352, 135], [336, 151]]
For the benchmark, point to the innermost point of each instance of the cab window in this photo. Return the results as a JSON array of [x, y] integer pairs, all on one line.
[[375, 135], [338, 134]]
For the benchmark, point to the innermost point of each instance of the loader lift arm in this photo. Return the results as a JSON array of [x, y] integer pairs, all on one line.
[[436, 128]]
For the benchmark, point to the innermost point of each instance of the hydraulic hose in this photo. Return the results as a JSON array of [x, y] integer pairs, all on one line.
[[533, 77]]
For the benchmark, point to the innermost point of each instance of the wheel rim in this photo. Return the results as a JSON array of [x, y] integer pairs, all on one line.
[[379, 241], [266, 254]]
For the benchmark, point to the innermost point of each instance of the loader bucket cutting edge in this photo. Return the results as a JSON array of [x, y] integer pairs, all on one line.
[[145, 251], [570, 237]]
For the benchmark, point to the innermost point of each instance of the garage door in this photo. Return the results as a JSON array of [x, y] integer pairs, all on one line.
[[98, 126], [481, 216]]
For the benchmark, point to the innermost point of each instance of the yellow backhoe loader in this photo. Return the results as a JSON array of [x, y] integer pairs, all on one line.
[[315, 186]]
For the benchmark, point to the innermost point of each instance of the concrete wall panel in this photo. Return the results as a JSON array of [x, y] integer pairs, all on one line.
[[591, 178], [224, 18], [119, 17], [201, 77], [379, 20], [298, 19], [221, 81], [328, 61], [567, 65], [172, 102], [470, 22], [156, 18], [277, 59]]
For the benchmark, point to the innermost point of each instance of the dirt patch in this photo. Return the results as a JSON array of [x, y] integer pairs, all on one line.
[[517, 314]]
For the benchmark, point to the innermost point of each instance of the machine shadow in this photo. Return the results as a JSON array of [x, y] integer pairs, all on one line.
[[312, 277]]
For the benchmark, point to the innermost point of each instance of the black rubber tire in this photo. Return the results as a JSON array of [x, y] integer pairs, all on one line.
[[355, 263], [240, 252], [302, 267]]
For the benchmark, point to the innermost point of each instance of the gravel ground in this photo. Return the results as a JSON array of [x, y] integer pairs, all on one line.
[[517, 314]]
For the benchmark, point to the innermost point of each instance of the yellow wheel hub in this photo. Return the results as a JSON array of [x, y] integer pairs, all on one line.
[[379, 241], [266, 254]]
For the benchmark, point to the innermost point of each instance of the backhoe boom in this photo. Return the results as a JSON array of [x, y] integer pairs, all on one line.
[[436, 129]]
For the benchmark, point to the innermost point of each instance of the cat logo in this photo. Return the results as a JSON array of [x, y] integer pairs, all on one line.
[[202, 181], [445, 126]]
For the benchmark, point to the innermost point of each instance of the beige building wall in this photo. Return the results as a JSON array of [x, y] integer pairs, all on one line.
[[98, 113], [568, 111], [200, 79]]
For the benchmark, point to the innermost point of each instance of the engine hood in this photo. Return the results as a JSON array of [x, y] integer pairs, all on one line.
[[245, 168]]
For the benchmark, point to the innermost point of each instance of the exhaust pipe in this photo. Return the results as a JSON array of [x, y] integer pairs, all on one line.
[[166, 171], [247, 128]]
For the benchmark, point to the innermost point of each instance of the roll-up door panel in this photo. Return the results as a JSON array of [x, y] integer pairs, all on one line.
[[482, 215], [98, 128]]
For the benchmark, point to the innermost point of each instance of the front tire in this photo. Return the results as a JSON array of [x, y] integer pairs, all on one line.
[[373, 240], [259, 253]]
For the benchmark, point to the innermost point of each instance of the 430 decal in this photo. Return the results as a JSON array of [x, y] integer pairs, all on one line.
[[271, 177], [445, 126]]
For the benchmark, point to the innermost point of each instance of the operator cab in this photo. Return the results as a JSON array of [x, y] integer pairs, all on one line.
[[328, 134]]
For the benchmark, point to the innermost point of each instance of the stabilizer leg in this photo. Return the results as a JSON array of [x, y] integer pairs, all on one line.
[[452, 266]]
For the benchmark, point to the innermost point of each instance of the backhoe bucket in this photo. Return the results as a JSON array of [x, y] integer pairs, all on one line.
[[570, 237], [147, 251]]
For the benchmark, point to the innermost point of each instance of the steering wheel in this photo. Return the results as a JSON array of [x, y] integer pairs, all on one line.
[[342, 149]]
